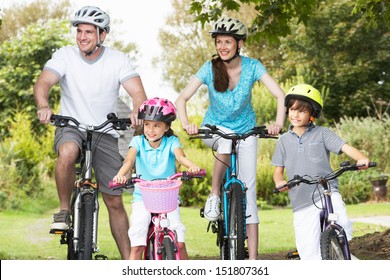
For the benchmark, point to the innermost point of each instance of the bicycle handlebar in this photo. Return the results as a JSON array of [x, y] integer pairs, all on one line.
[[258, 131], [344, 166], [117, 123], [184, 176]]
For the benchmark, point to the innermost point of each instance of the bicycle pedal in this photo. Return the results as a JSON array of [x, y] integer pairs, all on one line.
[[101, 257], [57, 231], [293, 255], [201, 212]]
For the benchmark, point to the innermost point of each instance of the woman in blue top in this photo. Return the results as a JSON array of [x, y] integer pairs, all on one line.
[[230, 78], [154, 153]]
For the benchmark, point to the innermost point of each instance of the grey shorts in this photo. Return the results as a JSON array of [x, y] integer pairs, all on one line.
[[106, 160]]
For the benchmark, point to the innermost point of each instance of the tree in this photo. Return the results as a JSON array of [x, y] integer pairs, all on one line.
[[275, 17], [332, 52]]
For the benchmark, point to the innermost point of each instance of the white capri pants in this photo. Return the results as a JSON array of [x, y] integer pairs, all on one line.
[[139, 224], [308, 230], [247, 161]]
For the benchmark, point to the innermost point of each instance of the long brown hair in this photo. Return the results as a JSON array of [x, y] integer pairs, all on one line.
[[221, 77]]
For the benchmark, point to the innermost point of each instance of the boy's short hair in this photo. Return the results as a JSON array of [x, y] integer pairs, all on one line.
[[300, 105]]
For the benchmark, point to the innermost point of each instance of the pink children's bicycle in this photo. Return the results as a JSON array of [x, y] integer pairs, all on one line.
[[160, 197]]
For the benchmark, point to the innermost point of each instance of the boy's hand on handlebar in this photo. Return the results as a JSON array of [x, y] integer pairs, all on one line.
[[191, 129], [281, 186], [363, 163]]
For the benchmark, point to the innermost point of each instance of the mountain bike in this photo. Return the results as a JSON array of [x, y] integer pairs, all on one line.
[[81, 237], [160, 197], [333, 243], [230, 228]]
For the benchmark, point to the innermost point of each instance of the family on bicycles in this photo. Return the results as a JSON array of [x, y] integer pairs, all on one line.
[[90, 76]]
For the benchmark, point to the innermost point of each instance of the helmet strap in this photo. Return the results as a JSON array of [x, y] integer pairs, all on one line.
[[98, 44]]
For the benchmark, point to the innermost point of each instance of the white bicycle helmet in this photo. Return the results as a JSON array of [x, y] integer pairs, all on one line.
[[92, 15], [229, 26]]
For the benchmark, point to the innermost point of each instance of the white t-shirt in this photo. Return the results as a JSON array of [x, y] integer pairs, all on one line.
[[90, 89]]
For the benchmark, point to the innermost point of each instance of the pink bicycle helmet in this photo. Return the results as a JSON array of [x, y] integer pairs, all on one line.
[[157, 109]]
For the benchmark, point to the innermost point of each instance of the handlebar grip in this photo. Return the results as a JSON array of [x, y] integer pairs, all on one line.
[[371, 164], [113, 184]]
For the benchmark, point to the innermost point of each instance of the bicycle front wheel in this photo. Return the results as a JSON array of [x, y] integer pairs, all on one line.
[[332, 245], [237, 223], [86, 226], [168, 250]]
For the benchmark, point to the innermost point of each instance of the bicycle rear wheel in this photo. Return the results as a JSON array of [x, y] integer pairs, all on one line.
[[332, 245], [86, 226], [168, 249], [237, 223]]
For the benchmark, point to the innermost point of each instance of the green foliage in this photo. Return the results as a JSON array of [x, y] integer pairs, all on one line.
[[26, 164], [332, 48], [275, 18], [21, 61]]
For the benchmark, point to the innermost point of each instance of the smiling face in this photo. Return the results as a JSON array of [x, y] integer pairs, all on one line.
[[226, 46], [87, 37], [299, 113], [154, 131]]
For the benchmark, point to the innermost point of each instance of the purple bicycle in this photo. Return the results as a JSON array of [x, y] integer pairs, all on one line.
[[334, 244]]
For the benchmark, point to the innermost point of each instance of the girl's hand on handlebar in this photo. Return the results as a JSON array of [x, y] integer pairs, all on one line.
[[194, 169], [191, 129], [120, 179]]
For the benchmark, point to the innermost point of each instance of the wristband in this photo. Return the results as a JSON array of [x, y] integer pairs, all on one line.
[[43, 107]]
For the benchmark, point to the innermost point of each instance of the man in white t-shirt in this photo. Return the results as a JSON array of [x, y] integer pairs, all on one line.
[[90, 76]]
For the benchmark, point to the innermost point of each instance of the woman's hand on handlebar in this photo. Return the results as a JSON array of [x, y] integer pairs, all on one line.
[[274, 129], [191, 129]]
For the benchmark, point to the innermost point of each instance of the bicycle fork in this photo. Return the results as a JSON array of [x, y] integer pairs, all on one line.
[[329, 219]]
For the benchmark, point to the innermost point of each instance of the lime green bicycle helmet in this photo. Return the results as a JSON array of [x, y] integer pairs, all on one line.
[[229, 26], [306, 93]]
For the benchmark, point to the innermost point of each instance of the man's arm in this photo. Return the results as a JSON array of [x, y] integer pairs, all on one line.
[[41, 90], [135, 89]]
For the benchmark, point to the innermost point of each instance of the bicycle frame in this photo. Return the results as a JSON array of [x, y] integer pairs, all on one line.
[[328, 219], [82, 235], [333, 236], [158, 230], [234, 225], [161, 241]]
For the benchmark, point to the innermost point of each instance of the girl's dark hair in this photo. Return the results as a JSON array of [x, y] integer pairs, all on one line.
[[221, 77], [140, 131], [300, 105]]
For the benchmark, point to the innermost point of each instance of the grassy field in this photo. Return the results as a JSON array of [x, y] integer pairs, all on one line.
[[25, 236]]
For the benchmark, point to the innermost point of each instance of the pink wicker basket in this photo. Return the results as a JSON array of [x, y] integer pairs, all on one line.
[[160, 196]]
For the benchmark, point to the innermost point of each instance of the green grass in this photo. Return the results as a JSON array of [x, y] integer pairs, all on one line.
[[26, 236]]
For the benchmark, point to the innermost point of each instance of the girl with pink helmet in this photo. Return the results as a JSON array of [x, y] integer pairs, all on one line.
[[153, 154]]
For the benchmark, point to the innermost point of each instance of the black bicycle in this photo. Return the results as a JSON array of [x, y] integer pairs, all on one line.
[[81, 237], [231, 226], [334, 243]]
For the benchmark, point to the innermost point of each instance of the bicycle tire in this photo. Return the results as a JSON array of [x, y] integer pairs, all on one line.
[[237, 223], [86, 226], [331, 249], [168, 249]]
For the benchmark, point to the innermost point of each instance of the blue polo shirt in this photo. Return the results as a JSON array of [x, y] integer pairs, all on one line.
[[153, 163]]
